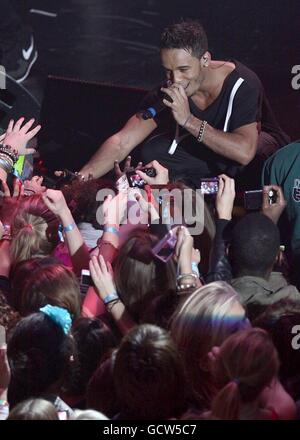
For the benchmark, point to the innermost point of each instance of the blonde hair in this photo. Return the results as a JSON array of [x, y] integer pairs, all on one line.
[[246, 364], [29, 238], [88, 414], [33, 409], [204, 320]]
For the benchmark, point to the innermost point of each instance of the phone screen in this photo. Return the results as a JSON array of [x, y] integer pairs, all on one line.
[[86, 278], [209, 186], [134, 180]]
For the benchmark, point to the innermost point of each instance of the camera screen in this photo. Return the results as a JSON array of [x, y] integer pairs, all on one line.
[[209, 186], [135, 181]]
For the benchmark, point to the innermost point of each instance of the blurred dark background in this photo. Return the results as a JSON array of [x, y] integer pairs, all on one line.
[[116, 42]]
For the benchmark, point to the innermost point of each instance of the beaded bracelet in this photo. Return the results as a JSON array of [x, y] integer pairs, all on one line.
[[201, 131], [187, 275], [110, 305], [186, 286], [10, 152]]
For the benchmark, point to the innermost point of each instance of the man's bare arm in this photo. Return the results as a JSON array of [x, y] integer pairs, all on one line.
[[240, 145], [118, 146]]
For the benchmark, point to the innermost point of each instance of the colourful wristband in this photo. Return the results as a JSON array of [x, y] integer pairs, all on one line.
[[195, 268], [111, 297], [111, 229], [69, 228]]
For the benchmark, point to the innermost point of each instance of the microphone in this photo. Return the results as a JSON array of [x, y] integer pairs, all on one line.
[[157, 106]]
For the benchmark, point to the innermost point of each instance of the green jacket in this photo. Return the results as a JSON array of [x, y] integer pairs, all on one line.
[[283, 169]]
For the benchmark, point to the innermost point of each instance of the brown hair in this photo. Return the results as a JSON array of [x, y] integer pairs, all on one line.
[[42, 281], [138, 275], [148, 375], [34, 230], [246, 364]]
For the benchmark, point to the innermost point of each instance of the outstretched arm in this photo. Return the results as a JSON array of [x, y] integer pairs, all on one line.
[[118, 146]]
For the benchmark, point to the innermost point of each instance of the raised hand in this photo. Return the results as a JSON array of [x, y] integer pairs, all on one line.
[[102, 275], [55, 201], [162, 174], [18, 135], [225, 197], [273, 210]]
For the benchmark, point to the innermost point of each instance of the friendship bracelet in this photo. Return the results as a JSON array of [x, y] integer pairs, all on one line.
[[201, 131], [110, 305], [111, 229], [110, 298]]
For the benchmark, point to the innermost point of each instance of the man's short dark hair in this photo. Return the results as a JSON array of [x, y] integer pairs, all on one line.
[[255, 244], [188, 35]]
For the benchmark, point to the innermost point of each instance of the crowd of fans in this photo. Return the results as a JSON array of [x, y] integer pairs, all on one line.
[[203, 334]]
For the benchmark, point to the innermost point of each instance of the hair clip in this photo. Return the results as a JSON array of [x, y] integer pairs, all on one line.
[[60, 316]]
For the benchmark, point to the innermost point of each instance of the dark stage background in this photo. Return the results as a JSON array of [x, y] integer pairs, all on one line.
[[116, 42]]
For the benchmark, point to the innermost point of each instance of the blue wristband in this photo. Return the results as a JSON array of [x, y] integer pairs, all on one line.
[[111, 229], [111, 297], [195, 268], [69, 228]]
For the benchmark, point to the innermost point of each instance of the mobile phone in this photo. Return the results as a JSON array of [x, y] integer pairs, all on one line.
[[165, 248], [136, 181], [253, 200], [209, 185], [2, 336], [86, 278]]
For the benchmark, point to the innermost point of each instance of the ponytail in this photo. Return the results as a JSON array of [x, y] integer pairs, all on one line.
[[226, 404]]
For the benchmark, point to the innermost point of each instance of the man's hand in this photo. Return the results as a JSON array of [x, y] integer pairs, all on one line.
[[225, 197], [162, 174], [127, 167], [274, 210], [180, 105], [34, 186], [17, 136]]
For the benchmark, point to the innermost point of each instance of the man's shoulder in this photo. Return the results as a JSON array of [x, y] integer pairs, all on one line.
[[289, 154], [247, 74]]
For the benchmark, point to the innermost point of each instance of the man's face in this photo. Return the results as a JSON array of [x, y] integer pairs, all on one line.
[[182, 68]]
